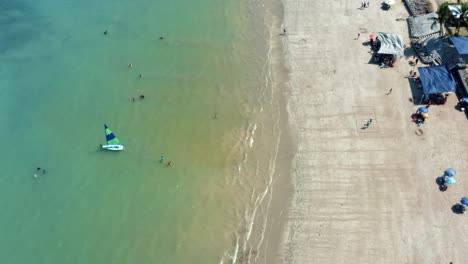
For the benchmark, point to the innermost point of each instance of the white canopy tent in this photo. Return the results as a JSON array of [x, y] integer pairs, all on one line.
[[390, 44]]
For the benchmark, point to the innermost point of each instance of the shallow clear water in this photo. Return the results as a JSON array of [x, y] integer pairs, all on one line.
[[61, 79]]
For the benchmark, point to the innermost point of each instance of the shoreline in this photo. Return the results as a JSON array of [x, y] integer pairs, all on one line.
[[281, 187]]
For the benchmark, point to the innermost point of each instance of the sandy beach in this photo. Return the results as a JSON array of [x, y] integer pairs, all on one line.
[[365, 195]]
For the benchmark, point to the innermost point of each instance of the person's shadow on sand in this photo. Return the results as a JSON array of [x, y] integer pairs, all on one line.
[[366, 43]]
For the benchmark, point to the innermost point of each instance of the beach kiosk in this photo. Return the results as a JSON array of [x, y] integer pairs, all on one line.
[[387, 49], [436, 81]]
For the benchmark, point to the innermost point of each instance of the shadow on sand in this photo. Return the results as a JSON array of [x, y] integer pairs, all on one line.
[[416, 91]]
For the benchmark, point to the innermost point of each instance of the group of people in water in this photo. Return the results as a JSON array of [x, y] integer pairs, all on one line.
[[161, 160], [140, 76], [141, 97], [38, 170]]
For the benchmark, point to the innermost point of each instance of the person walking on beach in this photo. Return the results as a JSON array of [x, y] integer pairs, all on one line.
[[389, 92], [358, 35], [367, 124]]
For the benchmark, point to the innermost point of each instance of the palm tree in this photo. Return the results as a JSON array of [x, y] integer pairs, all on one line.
[[444, 15]]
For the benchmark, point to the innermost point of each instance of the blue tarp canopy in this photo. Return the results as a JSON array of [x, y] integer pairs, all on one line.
[[436, 79], [461, 43]]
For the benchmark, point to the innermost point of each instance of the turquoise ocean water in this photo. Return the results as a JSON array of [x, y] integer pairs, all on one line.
[[61, 79]]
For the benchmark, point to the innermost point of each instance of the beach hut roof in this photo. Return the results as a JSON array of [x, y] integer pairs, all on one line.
[[390, 44], [456, 10], [425, 25], [461, 44], [436, 79]]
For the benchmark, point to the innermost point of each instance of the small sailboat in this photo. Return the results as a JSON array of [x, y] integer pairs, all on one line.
[[113, 142]]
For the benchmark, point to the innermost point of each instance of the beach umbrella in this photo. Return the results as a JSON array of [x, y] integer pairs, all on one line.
[[423, 110], [389, 2], [464, 201], [450, 172], [450, 180]]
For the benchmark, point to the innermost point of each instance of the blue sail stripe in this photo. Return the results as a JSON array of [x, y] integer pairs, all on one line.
[[110, 137]]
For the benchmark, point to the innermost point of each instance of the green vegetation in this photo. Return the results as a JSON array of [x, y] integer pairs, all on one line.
[[446, 17]]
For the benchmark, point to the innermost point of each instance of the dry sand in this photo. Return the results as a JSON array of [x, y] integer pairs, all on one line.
[[366, 195]]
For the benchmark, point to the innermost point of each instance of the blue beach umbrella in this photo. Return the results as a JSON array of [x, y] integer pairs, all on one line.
[[423, 110], [450, 172], [450, 180], [464, 201]]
